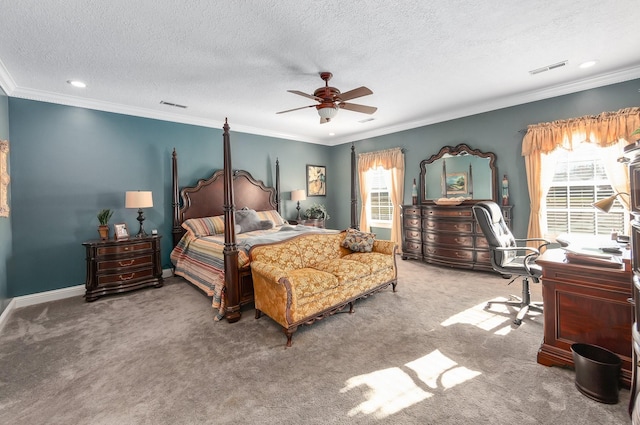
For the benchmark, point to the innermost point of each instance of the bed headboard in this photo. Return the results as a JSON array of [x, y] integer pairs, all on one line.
[[206, 198]]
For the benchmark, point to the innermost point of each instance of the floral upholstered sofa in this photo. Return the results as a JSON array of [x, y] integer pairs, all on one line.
[[312, 276]]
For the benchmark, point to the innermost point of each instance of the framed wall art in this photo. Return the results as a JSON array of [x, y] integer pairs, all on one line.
[[4, 178], [316, 180]]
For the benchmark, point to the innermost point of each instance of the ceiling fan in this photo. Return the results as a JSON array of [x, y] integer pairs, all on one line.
[[331, 100]]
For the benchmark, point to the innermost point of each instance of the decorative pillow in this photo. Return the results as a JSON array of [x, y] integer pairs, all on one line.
[[358, 241], [205, 226], [248, 220], [272, 215]]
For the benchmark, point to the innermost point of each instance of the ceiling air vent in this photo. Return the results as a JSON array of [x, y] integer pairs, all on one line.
[[175, 105], [548, 67]]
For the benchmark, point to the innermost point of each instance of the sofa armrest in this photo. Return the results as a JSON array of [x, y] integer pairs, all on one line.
[[268, 271], [384, 247]]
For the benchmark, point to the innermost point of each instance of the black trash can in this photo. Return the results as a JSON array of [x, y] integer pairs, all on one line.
[[597, 372]]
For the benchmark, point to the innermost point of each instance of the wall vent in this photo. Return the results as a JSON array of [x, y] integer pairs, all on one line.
[[548, 67], [175, 105]]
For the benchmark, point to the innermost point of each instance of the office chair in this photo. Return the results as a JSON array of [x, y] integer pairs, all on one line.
[[507, 258]]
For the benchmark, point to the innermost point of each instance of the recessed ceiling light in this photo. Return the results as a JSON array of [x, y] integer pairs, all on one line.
[[77, 83], [332, 134], [587, 64]]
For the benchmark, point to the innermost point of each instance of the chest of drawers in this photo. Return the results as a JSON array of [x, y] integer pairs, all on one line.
[[115, 266], [444, 235]]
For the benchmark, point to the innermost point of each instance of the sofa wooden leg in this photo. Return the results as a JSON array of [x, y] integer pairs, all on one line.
[[393, 285], [258, 314], [351, 307], [289, 333]]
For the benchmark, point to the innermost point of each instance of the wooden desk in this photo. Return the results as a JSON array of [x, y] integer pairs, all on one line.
[[586, 304]]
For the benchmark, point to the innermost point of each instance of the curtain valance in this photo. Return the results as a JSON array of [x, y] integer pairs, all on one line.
[[604, 130]]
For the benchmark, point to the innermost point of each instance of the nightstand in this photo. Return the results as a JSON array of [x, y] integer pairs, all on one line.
[[115, 266]]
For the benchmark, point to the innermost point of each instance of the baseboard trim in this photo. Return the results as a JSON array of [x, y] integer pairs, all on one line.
[[4, 317], [48, 296]]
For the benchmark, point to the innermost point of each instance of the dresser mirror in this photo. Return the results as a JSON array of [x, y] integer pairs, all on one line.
[[458, 172]]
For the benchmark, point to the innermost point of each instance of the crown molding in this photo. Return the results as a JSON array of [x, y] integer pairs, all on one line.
[[11, 89]]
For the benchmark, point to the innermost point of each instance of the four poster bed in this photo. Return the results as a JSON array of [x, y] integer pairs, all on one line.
[[211, 248]]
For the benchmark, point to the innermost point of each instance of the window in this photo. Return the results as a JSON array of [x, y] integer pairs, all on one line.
[[379, 206], [579, 180]]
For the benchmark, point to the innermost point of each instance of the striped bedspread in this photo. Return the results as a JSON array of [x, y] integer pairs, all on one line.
[[201, 260]]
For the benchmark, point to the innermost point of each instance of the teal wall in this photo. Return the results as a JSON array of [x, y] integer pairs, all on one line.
[[5, 222], [498, 131], [68, 163]]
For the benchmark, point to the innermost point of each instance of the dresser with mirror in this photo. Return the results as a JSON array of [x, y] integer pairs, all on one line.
[[441, 229]]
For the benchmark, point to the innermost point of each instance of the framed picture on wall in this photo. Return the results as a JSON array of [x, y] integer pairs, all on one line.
[[4, 178], [120, 231], [316, 180]]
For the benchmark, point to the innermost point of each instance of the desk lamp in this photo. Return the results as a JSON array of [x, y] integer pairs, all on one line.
[[139, 199], [605, 204]]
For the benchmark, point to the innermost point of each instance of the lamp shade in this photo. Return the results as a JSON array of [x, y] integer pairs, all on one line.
[[298, 195], [138, 199], [605, 204]]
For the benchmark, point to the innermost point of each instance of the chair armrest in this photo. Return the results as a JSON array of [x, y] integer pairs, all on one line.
[[544, 243], [534, 251]]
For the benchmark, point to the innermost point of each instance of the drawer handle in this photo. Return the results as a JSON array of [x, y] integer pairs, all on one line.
[[126, 248], [123, 264], [460, 256], [631, 301], [126, 278]]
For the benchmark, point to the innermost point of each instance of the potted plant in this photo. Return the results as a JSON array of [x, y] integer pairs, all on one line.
[[316, 215], [103, 218]]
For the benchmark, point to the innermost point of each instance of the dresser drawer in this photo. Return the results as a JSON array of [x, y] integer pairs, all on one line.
[[406, 211], [448, 226], [116, 279], [133, 262], [412, 234], [481, 243], [124, 248], [448, 239], [412, 222], [448, 212], [454, 254], [413, 246], [483, 257]]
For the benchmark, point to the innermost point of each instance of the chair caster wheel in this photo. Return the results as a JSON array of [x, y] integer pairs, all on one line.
[[517, 322]]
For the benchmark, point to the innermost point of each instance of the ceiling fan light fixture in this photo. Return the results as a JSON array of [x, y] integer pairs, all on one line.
[[328, 112]]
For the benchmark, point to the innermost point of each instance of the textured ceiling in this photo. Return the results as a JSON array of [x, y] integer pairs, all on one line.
[[424, 61]]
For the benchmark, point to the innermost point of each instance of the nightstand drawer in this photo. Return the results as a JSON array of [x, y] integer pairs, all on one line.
[[124, 248], [124, 277], [145, 260]]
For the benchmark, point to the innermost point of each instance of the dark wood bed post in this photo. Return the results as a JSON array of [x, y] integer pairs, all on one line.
[[230, 251], [176, 231], [354, 199], [278, 185]]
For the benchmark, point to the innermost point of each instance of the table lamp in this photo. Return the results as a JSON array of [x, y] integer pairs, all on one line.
[[139, 199], [298, 195]]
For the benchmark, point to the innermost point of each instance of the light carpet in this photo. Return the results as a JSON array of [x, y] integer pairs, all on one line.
[[427, 354]]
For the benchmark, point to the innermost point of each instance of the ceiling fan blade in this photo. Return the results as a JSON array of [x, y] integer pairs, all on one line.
[[299, 93], [352, 94], [358, 108], [295, 109]]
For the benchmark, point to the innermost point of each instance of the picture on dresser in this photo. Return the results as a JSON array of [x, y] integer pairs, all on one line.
[[456, 183], [120, 231]]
